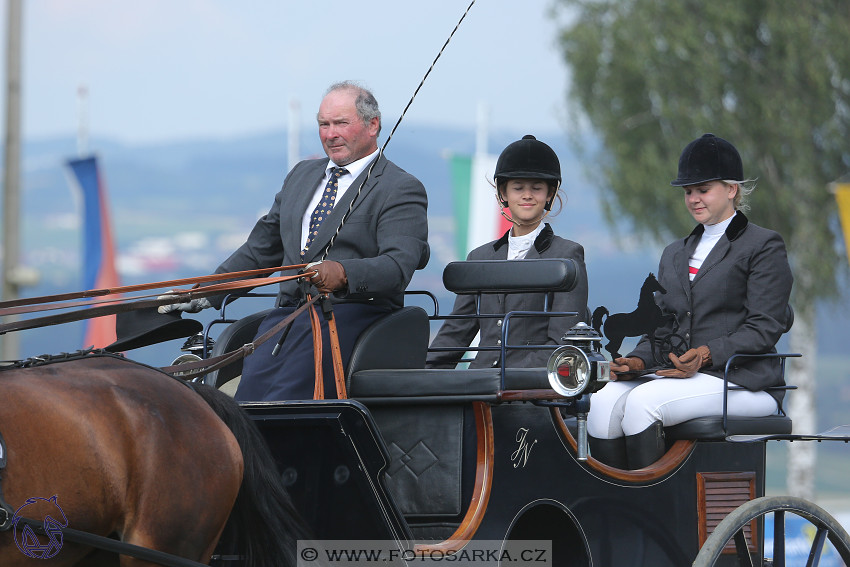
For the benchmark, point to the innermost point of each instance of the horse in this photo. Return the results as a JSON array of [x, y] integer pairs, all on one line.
[[643, 320], [129, 452]]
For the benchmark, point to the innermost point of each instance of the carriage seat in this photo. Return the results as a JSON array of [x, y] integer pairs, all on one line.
[[424, 385], [707, 428], [720, 426]]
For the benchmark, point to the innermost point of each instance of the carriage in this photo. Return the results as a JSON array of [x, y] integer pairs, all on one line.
[[441, 458], [491, 465]]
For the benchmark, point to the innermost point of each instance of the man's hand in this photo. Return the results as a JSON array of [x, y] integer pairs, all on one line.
[[193, 306], [688, 364], [631, 364], [329, 277]]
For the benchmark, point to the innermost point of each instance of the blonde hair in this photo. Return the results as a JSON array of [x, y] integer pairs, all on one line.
[[745, 187]]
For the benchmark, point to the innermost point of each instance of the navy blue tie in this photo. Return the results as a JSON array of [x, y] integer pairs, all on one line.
[[325, 206]]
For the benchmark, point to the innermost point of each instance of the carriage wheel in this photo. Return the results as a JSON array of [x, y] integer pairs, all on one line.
[[734, 530]]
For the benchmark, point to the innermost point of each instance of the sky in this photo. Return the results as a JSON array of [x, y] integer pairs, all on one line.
[[166, 70]]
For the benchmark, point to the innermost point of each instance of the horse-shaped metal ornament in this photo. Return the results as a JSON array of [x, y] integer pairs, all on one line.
[[134, 454], [642, 321]]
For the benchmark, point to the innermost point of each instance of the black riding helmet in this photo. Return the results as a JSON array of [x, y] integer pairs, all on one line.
[[708, 158], [528, 158]]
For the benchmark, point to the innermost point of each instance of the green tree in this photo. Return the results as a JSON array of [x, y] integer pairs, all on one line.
[[771, 76]]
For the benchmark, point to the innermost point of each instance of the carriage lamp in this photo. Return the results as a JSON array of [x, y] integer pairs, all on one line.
[[193, 350], [578, 367]]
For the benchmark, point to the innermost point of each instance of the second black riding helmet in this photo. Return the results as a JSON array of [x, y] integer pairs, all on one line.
[[528, 158], [708, 158]]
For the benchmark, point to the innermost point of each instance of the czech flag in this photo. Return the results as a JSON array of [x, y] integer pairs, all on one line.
[[99, 270], [478, 217]]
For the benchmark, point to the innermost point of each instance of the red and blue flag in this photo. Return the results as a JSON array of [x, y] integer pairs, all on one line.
[[99, 269]]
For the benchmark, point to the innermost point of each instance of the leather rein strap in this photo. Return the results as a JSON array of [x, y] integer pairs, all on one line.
[[90, 309], [188, 370], [4, 305], [336, 353]]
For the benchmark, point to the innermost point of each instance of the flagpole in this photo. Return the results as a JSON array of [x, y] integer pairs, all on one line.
[[82, 121], [294, 132], [483, 114], [11, 173]]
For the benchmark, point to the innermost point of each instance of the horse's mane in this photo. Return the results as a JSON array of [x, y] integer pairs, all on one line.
[[45, 359]]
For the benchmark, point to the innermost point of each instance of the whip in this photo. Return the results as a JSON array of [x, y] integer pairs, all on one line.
[[381, 151]]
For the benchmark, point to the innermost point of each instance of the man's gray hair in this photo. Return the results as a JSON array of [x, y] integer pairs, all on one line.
[[365, 103]]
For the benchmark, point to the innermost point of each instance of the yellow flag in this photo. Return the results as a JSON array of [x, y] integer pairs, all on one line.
[[842, 195]]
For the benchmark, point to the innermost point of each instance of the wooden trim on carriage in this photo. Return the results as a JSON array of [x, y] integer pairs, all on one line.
[[671, 460]]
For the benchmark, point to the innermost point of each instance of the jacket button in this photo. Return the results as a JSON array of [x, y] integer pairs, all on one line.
[[499, 342], [499, 323]]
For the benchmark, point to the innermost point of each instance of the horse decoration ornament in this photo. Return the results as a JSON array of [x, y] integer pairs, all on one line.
[[645, 320]]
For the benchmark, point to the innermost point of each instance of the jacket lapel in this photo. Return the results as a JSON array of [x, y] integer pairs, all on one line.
[[680, 261], [305, 188]]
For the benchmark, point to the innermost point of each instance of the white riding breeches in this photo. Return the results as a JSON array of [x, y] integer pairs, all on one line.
[[629, 407]]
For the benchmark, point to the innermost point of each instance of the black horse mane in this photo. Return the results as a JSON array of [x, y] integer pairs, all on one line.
[[264, 525], [45, 359]]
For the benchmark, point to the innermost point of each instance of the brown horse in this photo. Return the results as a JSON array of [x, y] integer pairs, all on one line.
[[137, 455]]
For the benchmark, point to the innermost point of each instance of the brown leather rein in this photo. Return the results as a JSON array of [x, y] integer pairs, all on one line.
[[88, 309]]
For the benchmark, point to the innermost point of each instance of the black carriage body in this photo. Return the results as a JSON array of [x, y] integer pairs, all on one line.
[[334, 458], [436, 459]]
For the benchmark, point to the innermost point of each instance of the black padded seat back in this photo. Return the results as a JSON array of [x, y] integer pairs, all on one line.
[[399, 340], [507, 276], [231, 338]]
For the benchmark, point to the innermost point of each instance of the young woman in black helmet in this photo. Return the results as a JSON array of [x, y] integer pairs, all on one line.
[[528, 178], [728, 285]]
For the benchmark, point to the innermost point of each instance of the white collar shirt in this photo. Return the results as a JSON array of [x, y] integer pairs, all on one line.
[[354, 168]]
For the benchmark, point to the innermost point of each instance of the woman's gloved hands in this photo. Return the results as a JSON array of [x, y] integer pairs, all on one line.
[[631, 364], [688, 364]]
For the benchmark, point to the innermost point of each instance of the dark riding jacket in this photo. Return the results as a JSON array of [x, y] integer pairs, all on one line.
[[737, 302]]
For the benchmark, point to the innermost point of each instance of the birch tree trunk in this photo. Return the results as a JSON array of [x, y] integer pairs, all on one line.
[[800, 403]]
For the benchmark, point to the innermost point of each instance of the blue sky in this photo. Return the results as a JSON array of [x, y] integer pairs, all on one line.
[[161, 70]]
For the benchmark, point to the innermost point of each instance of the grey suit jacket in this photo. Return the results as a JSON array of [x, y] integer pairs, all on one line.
[[737, 302], [522, 330], [383, 241]]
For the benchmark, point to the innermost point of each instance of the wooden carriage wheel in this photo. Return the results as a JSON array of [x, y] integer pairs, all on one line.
[[730, 537]]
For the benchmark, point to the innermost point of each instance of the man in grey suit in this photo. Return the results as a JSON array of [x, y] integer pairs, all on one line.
[[365, 264]]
